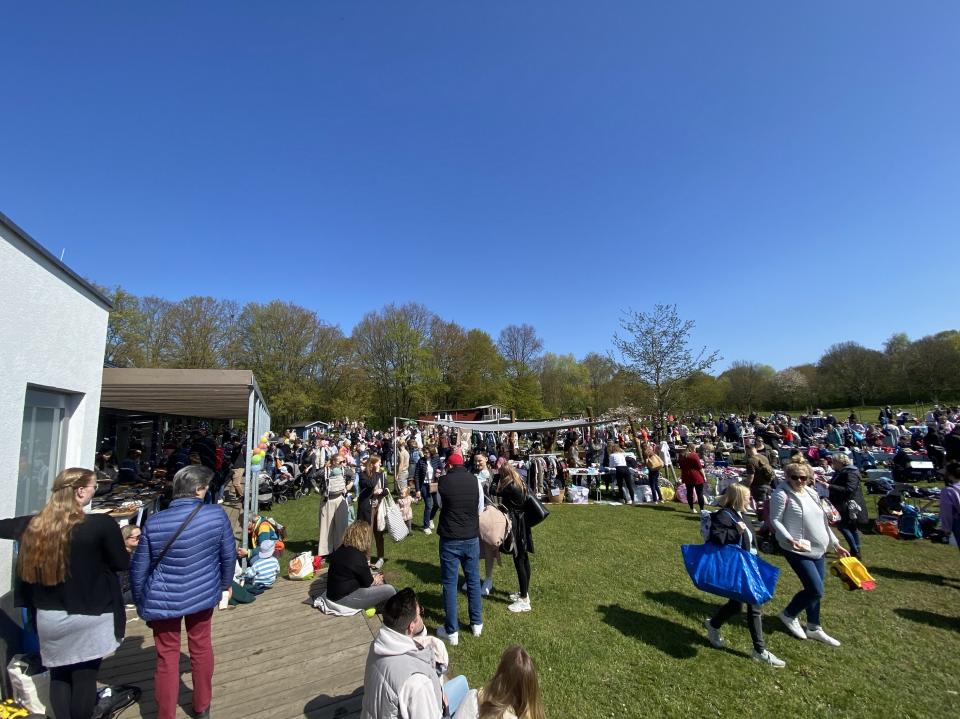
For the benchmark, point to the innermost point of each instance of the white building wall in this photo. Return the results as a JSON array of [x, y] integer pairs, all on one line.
[[53, 337]]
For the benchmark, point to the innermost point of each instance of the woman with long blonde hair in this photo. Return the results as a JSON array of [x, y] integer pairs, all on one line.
[[67, 574], [512, 693]]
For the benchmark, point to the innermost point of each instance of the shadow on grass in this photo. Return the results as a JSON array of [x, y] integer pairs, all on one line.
[[298, 546], [938, 579], [934, 620], [669, 637], [684, 603]]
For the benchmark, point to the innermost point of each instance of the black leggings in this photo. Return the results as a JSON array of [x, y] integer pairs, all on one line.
[[73, 690], [698, 488], [522, 564], [733, 607], [625, 483]]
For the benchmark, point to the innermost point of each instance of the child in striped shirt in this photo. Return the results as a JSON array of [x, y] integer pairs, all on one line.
[[263, 570]]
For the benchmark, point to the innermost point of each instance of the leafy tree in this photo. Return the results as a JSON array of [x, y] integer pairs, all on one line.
[[200, 329], [565, 384], [749, 385], [705, 393], [851, 373], [656, 350], [124, 329], [521, 349], [480, 377], [606, 390]]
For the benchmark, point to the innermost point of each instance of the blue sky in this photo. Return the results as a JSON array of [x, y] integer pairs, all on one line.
[[787, 173]]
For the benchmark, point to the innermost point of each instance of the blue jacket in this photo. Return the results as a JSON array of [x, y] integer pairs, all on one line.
[[196, 569]]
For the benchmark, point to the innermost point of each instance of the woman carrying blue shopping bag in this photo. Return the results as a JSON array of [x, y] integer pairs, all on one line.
[[728, 526]]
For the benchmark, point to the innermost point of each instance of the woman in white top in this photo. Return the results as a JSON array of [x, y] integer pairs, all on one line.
[[334, 509], [803, 532], [617, 461]]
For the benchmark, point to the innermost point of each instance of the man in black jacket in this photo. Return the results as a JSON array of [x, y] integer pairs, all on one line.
[[461, 502]]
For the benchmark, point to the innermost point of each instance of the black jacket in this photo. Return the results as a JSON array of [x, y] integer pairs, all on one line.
[[845, 486], [348, 572], [724, 530], [97, 553], [514, 500]]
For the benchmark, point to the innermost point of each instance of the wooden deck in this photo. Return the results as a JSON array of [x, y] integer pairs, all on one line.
[[277, 657]]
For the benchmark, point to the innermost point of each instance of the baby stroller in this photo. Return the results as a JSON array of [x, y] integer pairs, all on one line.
[[264, 491]]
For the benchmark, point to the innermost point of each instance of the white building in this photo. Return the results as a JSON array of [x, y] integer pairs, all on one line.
[[51, 364]]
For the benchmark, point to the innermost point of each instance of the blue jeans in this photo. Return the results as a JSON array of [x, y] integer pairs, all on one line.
[[810, 572], [431, 504], [852, 535], [455, 553], [455, 689]]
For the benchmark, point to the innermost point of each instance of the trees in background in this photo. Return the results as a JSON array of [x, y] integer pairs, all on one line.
[[401, 360]]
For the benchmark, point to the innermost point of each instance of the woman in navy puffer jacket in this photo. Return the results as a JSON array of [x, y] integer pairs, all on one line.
[[187, 581]]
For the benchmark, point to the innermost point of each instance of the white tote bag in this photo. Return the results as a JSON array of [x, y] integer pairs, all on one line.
[[393, 518]]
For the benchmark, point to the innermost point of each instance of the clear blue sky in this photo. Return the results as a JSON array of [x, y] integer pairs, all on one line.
[[787, 173]]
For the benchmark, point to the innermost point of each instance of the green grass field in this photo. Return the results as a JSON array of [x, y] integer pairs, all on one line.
[[617, 626]]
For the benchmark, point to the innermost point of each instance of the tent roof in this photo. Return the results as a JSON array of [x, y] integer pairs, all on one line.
[[535, 426], [207, 393]]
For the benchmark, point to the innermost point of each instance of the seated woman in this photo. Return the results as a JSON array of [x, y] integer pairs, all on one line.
[[350, 583], [512, 693]]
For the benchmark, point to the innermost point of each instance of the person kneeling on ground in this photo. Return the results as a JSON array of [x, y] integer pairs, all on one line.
[[512, 693], [263, 570], [728, 526], [350, 583], [403, 675]]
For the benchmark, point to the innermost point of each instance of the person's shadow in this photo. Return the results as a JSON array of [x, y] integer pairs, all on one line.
[[324, 706], [663, 634], [888, 573], [934, 620]]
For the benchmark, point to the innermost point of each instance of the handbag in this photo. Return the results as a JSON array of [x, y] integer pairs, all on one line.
[[833, 516], [731, 572], [534, 510], [396, 526]]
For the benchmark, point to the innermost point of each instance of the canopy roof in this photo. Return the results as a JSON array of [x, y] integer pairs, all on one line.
[[534, 426], [205, 393]]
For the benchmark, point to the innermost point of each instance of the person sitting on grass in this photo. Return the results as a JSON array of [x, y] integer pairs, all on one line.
[[350, 583], [405, 666], [512, 693], [728, 526], [263, 570]]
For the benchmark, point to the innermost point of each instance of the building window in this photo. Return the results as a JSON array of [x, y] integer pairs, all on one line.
[[42, 443]]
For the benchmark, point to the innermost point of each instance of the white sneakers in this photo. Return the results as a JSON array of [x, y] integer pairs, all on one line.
[[477, 630], [520, 605], [811, 632], [431, 524], [713, 635], [378, 564], [451, 639], [766, 657], [486, 587], [428, 530], [793, 626], [819, 635]]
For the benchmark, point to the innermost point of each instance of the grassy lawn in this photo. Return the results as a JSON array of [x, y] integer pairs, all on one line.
[[617, 627]]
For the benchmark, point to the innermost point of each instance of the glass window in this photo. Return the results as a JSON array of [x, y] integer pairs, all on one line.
[[41, 448]]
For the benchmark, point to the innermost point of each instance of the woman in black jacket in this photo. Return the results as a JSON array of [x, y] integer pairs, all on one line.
[[350, 582], [512, 491], [67, 576], [373, 486], [846, 495], [729, 526]]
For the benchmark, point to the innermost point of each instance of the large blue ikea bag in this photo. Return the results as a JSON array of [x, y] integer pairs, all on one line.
[[731, 572]]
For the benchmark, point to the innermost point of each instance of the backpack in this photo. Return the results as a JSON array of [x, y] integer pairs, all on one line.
[[908, 525]]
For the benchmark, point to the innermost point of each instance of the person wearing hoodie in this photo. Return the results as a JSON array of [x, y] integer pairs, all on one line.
[[403, 677]]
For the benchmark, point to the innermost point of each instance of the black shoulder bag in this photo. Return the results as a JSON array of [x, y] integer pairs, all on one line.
[[163, 552]]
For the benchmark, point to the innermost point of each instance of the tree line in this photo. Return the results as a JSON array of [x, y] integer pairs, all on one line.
[[404, 359]]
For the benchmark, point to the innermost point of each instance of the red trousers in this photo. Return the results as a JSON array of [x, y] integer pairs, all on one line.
[[166, 678]]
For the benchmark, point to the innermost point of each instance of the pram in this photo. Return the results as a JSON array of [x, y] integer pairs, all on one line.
[[264, 491], [287, 487]]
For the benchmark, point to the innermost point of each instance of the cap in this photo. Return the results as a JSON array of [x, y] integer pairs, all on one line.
[[454, 459]]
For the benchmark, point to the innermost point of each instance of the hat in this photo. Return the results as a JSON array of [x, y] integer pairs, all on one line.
[[266, 547], [284, 470], [454, 459]]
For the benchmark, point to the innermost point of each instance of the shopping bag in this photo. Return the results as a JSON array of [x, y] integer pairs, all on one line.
[[301, 566], [853, 574], [731, 572], [395, 525], [380, 516], [534, 510], [30, 682]]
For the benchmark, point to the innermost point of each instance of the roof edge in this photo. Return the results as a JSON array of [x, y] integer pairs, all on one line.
[[55, 263]]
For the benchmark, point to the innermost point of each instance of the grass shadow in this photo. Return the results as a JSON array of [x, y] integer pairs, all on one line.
[[684, 603], [424, 571], [929, 618], [888, 573], [669, 637], [296, 547]]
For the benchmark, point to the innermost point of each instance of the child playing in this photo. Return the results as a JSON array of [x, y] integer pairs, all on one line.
[[263, 570], [406, 510]]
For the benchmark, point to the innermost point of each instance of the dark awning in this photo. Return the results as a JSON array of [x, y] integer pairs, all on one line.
[[207, 393]]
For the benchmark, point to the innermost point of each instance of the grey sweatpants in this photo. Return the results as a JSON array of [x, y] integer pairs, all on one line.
[[366, 597]]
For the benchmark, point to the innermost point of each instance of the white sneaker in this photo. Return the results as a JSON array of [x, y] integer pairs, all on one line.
[[451, 639], [713, 635], [427, 531], [516, 595], [765, 657], [378, 564], [792, 625], [486, 587], [477, 630], [822, 636], [521, 605], [431, 524], [694, 511]]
